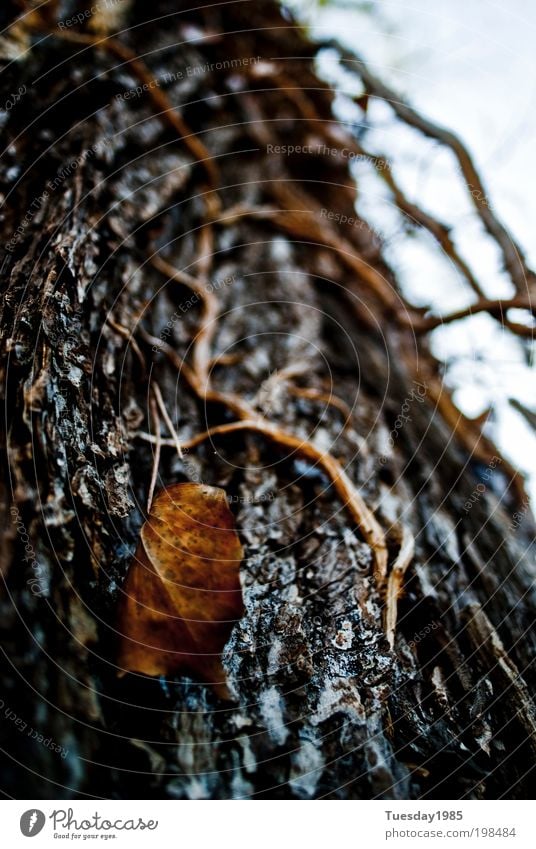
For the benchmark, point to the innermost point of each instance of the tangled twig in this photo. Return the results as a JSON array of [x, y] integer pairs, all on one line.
[[513, 257], [352, 500], [297, 213], [250, 420]]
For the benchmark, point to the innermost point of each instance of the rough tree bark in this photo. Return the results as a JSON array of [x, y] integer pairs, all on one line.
[[323, 705]]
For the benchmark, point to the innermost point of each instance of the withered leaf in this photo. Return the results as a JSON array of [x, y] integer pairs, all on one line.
[[182, 593]]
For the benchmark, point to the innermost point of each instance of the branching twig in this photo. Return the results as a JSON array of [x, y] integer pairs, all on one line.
[[352, 500], [439, 230], [156, 457], [167, 418], [209, 302], [128, 335], [250, 420], [395, 582], [493, 306], [324, 398], [513, 257]]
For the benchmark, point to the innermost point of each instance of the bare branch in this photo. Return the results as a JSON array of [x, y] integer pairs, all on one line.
[[513, 257]]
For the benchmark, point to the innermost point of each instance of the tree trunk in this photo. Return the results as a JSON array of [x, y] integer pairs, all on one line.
[[329, 698]]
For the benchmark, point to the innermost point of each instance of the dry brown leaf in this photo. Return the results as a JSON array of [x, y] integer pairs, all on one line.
[[182, 593]]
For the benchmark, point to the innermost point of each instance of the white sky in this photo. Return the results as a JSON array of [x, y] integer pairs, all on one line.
[[471, 66]]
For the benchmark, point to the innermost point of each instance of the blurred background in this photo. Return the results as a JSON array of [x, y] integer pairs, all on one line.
[[469, 65]]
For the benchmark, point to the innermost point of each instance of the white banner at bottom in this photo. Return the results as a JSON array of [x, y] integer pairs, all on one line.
[[269, 824]]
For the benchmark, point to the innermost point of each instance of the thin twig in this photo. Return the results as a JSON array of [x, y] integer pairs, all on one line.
[[439, 230], [513, 257], [299, 215], [528, 415], [203, 339], [325, 398], [350, 497], [495, 307], [156, 457], [167, 418], [148, 437], [250, 420], [395, 582], [129, 336]]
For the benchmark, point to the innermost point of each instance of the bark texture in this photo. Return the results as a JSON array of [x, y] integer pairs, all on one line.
[[322, 705]]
